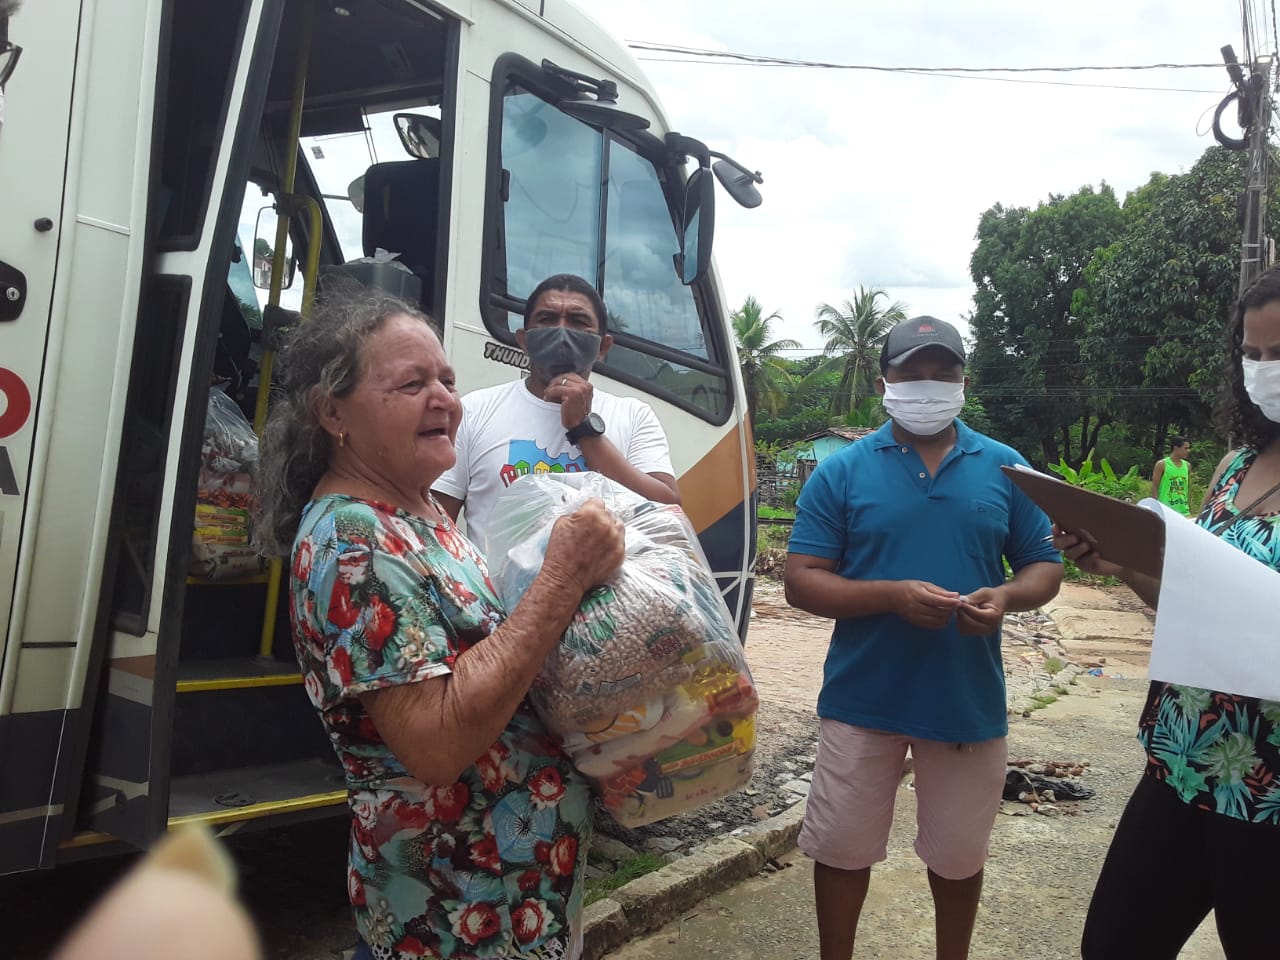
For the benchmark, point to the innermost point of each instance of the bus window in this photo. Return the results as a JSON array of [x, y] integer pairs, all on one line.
[[205, 40], [553, 213], [578, 201], [644, 292], [374, 191]]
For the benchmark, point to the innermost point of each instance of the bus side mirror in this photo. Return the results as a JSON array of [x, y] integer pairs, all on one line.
[[737, 183], [699, 227], [264, 239]]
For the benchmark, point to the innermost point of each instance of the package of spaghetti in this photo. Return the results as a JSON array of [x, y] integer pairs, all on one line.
[[648, 689]]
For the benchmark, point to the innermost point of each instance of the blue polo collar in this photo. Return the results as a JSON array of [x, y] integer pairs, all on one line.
[[967, 441]]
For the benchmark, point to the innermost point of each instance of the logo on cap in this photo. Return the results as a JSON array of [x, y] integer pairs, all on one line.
[[925, 328]]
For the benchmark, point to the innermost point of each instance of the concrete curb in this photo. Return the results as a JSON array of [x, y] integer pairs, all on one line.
[[648, 902]]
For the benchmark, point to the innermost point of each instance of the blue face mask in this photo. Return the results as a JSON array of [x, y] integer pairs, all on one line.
[[554, 351]]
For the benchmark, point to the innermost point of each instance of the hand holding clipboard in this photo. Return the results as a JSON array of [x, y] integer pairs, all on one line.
[[1123, 533]]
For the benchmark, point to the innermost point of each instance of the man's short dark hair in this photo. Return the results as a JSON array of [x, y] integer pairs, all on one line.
[[1178, 441], [569, 283]]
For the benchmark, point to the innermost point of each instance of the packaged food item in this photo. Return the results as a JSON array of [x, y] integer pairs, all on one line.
[[648, 689], [220, 546]]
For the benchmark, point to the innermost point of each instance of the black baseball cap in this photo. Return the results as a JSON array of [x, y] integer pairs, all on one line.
[[910, 336]]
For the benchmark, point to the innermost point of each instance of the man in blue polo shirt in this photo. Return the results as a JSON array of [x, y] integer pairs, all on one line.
[[899, 539]]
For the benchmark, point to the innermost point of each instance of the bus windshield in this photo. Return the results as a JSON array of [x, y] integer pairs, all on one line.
[[585, 202]]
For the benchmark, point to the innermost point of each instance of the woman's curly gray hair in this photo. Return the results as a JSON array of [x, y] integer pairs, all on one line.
[[319, 359]]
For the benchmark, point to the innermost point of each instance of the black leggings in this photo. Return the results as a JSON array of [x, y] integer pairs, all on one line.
[[1168, 866]]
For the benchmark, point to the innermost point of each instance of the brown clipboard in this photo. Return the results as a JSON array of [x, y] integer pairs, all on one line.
[[1123, 533]]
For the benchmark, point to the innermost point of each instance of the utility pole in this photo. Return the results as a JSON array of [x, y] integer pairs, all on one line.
[[1253, 99]]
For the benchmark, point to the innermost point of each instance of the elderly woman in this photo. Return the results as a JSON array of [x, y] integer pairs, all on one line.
[[469, 827]]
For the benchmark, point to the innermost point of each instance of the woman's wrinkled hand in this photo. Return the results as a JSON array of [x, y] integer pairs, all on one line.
[[1081, 549], [586, 546]]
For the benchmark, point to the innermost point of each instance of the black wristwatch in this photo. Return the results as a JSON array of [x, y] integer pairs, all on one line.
[[593, 426]]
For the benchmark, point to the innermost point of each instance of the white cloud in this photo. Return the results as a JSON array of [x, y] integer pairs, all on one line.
[[880, 179]]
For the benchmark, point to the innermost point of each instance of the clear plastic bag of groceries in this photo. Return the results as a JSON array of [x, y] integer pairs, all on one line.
[[648, 689], [221, 541]]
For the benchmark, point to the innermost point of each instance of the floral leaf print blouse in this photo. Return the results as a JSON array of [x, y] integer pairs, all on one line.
[[490, 866], [1220, 752]]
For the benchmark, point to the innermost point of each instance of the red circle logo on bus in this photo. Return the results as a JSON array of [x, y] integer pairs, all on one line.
[[17, 403]]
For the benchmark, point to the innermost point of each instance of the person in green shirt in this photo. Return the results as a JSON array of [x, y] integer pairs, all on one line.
[[1170, 477]]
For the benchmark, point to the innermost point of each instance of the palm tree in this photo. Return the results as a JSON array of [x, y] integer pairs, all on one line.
[[855, 332], [763, 372]]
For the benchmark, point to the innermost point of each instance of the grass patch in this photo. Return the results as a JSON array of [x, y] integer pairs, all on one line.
[[1042, 700], [1060, 690], [627, 871], [1053, 666], [774, 513]]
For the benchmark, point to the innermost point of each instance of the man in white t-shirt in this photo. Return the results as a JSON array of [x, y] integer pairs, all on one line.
[[554, 421]]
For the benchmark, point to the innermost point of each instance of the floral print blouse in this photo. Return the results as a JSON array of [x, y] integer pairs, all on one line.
[[1219, 751], [491, 866]]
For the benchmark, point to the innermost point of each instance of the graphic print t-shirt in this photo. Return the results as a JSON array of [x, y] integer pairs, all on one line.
[[507, 433]]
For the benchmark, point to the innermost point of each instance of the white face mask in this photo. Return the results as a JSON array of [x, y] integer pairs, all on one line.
[[923, 407], [1262, 383]]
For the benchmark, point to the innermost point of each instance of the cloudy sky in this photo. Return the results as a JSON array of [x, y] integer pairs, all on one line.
[[879, 179]]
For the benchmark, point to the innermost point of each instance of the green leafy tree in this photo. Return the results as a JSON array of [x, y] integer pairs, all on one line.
[[805, 409], [1156, 301], [855, 332], [974, 414], [868, 414], [1026, 364], [764, 369]]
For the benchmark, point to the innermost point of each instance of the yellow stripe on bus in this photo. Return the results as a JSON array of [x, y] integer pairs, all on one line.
[[253, 811], [265, 809], [239, 683]]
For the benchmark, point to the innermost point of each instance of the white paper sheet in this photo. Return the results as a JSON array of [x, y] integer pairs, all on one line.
[[1218, 623]]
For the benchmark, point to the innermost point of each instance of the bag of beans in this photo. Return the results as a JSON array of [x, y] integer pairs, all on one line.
[[648, 689]]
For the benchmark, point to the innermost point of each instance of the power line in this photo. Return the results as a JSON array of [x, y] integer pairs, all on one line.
[[828, 65], [1246, 29], [1275, 32], [951, 76]]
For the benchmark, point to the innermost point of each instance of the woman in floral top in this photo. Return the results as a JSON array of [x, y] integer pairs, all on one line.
[[469, 827], [1202, 830]]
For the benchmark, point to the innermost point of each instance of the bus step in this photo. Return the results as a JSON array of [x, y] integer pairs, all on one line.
[[311, 787], [238, 673], [230, 728]]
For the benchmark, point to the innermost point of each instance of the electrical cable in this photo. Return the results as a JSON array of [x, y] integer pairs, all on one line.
[[1246, 29], [1275, 31], [1231, 143], [1205, 131], [951, 76], [787, 61]]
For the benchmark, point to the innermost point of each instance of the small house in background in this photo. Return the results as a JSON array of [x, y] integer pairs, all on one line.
[[818, 446], [778, 481]]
